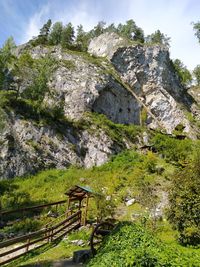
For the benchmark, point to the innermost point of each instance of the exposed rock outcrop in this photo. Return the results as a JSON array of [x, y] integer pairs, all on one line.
[[150, 74], [137, 79], [27, 147]]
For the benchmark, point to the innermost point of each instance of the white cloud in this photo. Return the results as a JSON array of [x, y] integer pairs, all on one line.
[[35, 23]]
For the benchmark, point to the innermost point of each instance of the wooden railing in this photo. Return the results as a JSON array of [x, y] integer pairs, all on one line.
[[38, 207], [16, 247]]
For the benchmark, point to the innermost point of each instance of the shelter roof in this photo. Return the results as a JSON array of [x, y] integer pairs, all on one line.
[[79, 192]]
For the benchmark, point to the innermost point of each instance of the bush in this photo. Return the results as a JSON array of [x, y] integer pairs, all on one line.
[[173, 149], [132, 245], [184, 197]]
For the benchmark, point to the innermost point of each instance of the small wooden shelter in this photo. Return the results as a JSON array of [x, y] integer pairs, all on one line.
[[80, 194]]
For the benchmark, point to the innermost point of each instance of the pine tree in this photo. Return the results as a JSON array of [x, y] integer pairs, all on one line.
[[158, 38], [131, 31], [44, 32], [67, 37], [82, 39], [56, 33]]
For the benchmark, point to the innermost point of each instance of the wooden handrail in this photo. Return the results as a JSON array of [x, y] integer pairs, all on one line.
[[6, 212], [41, 235]]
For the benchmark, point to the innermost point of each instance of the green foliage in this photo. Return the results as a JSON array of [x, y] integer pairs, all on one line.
[[68, 64], [56, 33], [196, 28], [82, 39], [131, 31], [158, 38], [196, 73], [182, 72], [6, 61], [82, 234], [105, 208], [67, 37], [184, 211], [43, 69], [44, 32], [116, 131], [13, 199], [111, 28], [24, 226], [172, 149], [98, 29], [132, 245]]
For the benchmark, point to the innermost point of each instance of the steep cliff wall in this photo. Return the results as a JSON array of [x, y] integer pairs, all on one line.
[[136, 79], [150, 74]]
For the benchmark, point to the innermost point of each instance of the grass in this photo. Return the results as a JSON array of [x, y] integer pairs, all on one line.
[[55, 251]]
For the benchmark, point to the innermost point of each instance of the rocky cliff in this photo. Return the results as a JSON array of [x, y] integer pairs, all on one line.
[[150, 75], [126, 83]]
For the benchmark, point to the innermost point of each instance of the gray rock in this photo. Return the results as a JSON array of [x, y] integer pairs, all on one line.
[[27, 146], [130, 202], [149, 72]]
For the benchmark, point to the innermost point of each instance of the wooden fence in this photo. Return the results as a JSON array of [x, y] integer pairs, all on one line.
[[16, 247], [26, 209]]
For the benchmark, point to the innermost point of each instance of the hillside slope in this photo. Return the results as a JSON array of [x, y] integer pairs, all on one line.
[[137, 86]]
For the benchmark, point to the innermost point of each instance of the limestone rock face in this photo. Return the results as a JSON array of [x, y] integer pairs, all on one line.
[[136, 79], [27, 147], [150, 74], [106, 44], [85, 87]]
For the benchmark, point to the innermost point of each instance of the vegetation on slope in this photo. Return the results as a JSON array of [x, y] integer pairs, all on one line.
[[132, 245]]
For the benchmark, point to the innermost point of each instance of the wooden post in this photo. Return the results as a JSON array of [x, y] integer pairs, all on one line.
[[51, 238], [68, 205], [28, 242], [79, 206], [86, 209]]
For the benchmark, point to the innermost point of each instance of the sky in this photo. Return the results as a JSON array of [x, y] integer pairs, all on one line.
[[22, 19]]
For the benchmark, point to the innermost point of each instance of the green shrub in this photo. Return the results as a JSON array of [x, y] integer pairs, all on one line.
[[132, 245], [24, 226], [173, 149], [184, 197]]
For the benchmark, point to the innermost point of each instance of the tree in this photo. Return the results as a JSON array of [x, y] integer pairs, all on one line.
[[184, 199], [23, 71], [82, 38], [6, 62], [182, 72], [56, 33], [111, 28], [196, 73], [158, 38], [44, 32], [131, 31], [43, 68], [99, 28], [196, 28], [67, 37]]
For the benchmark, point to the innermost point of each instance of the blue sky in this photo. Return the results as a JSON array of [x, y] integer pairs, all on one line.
[[23, 18]]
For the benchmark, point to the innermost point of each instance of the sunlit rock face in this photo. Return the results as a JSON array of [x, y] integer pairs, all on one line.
[[27, 146], [149, 72]]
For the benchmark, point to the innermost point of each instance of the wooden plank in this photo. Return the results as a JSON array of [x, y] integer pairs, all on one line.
[[68, 219], [35, 234], [68, 231], [65, 226], [22, 238], [74, 217], [24, 246], [18, 256]]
